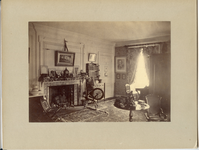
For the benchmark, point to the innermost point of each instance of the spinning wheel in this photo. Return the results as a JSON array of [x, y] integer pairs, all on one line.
[[97, 94], [93, 96]]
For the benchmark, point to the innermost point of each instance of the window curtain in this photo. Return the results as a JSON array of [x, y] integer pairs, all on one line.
[[147, 51], [133, 55], [147, 63], [132, 61]]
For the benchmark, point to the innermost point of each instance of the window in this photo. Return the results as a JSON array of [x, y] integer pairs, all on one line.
[[141, 79]]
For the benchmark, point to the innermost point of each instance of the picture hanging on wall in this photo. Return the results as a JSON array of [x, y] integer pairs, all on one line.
[[76, 70], [118, 76], [123, 76], [63, 58], [92, 57], [120, 64]]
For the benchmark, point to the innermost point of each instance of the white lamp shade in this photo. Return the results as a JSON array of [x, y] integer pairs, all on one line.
[[44, 70]]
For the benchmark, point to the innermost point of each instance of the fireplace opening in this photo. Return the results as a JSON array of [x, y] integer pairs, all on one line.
[[61, 95]]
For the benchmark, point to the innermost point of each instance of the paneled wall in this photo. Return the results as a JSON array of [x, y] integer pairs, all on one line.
[[44, 41], [120, 78]]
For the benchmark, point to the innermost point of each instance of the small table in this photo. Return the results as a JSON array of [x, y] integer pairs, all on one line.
[[140, 105]]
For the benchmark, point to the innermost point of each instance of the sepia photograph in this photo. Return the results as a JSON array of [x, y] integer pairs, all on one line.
[[137, 90], [92, 57], [120, 64], [141, 94], [64, 58]]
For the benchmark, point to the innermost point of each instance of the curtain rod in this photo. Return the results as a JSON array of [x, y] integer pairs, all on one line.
[[142, 45]]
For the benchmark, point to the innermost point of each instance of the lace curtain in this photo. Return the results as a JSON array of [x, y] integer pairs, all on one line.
[[132, 59]]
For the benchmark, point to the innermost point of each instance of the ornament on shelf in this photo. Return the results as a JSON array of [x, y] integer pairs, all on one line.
[[35, 90]]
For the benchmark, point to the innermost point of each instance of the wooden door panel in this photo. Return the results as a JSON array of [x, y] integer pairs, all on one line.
[[106, 73]]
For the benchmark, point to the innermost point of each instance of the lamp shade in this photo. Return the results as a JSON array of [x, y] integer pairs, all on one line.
[[44, 70]]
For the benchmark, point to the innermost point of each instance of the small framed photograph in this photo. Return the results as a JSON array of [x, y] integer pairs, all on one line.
[[76, 70], [64, 58], [124, 76], [52, 72], [120, 64], [118, 76], [92, 57]]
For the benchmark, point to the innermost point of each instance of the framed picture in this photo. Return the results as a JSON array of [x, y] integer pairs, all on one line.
[[120, 64], [63, 58], [123, 76], [52, 72], [118, 76], [76, 70], [92, 57]]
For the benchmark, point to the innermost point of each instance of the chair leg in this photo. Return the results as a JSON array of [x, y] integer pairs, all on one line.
[[147, 116], [162, 115], [131, 115]]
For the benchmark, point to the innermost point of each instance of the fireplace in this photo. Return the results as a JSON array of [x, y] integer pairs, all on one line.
[[65, 94], [72, 90]]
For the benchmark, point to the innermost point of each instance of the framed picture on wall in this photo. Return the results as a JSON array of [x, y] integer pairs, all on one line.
[[92, 57], [124, 76], [63, 58], [120, 64], [118, 76], [76, 70]]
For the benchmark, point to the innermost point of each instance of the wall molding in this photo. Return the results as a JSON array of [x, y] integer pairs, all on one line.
[[68, 34]]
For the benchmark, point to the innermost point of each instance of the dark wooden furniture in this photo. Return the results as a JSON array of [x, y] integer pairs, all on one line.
[[155, 112], [142, 92], [92, 70], [36, 110], [160, 78], [90, 85], [48, 110]]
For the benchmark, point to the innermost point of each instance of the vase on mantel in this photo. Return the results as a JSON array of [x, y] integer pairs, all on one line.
[[35, 91]]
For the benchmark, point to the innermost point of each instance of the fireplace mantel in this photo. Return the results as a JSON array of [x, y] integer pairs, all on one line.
[[77, 88]]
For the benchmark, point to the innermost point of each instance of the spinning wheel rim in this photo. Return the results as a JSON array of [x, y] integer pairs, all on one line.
[[97, 93]]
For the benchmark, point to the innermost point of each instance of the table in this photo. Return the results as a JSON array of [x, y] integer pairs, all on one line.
[[139, 105]]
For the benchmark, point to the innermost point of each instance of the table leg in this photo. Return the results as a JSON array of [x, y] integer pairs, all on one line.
[[131, 115]]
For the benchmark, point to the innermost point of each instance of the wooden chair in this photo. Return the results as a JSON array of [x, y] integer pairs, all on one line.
[[142, 92], [155, 112], [49, 111]]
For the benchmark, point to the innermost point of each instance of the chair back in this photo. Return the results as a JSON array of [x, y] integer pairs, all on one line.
[[45, 104], [154, 102], [142, 92]]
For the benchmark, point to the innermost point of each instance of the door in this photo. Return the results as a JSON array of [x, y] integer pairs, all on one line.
[[107, 73]]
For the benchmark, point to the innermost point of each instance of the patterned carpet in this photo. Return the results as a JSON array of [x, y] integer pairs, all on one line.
[[106, 112]]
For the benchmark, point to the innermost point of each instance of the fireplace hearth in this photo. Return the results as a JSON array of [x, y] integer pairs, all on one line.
[[61, 95], [68, 91]]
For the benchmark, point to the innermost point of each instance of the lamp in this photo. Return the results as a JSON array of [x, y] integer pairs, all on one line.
[[44, 73]]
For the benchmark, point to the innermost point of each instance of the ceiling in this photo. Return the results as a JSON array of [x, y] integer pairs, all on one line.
[[116, 31]]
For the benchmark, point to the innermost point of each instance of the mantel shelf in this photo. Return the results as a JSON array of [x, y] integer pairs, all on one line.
[[62, 81], [38, 95]]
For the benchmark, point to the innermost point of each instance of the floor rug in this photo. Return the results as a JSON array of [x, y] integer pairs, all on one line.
[[101, 106], [82, 115]]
